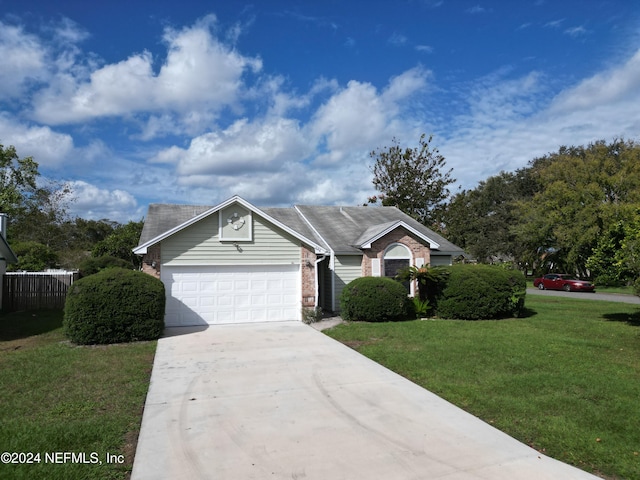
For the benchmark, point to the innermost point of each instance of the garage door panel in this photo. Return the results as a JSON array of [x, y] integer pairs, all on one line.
[[239, 294]]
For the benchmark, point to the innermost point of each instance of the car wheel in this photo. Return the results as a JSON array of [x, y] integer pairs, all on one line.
[[567, 288], [540, 286]]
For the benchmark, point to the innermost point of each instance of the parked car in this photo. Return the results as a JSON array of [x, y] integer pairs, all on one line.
[[563, 281]]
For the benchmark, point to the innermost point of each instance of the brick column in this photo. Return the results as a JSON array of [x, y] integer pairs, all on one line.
[[308, 267], [151, 258]]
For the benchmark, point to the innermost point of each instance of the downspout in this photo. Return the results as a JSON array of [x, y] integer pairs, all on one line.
[[332, 269], [317, 274]]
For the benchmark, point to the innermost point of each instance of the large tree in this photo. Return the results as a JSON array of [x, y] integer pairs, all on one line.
[[582, 193], [413, 179], [481, 220]]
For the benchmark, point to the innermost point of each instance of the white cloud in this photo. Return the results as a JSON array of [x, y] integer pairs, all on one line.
[[23, 60], [93, 202], [576, 31], [199, 74], [509, 123], [476, 10], [618, 84], [358, 117], [261, 146], [48, 148]]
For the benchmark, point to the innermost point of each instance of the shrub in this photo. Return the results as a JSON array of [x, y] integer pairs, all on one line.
[[114, 306], [375, 299], [475, 292], [92, 265]]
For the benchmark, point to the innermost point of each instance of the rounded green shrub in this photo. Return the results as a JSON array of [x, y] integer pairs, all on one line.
[[477, 292], [114, 306], [92, 265], [375, 299]]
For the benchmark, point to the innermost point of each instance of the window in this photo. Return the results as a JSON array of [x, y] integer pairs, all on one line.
[[397, 257]]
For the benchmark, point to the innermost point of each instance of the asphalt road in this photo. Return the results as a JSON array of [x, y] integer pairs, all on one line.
[[608, 297]]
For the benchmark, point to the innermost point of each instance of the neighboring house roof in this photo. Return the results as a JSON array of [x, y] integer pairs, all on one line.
[[344, 230], [6, 253]]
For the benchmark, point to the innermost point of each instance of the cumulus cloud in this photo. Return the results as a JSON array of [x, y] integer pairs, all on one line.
[[259, 146], [198, 73], [23, 60], [47, 147], [92, 202]]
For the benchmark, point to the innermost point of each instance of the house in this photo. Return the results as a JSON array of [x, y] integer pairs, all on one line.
[[6, 254], [235, 262]]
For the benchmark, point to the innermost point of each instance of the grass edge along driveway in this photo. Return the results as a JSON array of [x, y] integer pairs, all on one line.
[[565, 379], [74, 412]]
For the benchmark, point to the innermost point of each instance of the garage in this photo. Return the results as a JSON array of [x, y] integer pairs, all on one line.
[[199, 295]]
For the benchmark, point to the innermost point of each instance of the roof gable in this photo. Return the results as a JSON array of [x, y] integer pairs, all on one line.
[[166, 220], [376, 232]]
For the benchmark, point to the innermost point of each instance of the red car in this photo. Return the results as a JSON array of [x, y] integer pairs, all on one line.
[[562, 281]]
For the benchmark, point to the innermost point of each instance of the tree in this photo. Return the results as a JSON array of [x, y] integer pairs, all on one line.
[[481, 220], [121, 243], [412, 179], [582, 193], [17, 180], [33, 257]]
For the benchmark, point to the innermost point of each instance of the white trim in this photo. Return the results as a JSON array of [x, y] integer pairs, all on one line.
[[332, 258], [142, 249], [432, 243], [376, 269]]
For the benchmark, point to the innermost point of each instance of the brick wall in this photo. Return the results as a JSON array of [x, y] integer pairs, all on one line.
[[152, 255], [399, 235], [308, 266]]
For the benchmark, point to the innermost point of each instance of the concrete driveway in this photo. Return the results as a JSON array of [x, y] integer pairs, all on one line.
[[282, 400]]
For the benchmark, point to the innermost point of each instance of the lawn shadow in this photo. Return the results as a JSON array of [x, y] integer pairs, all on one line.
[[527, 313], [18, 325], [632, 319]]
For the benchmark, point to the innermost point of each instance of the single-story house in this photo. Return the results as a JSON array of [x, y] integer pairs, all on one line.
[[7, 256], [235, 262]]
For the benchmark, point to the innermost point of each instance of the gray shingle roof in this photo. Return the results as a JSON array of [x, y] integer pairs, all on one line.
[[343, 227], [339, 228], [162, 217]]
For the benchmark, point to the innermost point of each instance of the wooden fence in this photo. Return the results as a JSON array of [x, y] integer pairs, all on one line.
[[33, 291]]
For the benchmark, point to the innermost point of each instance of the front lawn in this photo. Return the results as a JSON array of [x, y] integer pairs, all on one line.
[[565, 379], [73, 411]]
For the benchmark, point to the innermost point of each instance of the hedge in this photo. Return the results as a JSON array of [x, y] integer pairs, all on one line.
[[475, 292], [114, 306], [375, 299]]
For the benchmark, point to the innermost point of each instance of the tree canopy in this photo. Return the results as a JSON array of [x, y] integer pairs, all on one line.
[[570, 210], [412, 179]]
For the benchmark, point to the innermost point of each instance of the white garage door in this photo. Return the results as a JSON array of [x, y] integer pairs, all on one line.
[[231, 294]]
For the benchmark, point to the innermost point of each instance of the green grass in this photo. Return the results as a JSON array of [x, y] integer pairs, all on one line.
[[565, 379], [628, 290], [58, 397]]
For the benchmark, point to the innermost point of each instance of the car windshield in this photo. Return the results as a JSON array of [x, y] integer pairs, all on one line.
[[568, 277]]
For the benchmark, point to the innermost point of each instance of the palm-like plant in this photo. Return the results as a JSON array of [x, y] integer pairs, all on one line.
[[428, 279]]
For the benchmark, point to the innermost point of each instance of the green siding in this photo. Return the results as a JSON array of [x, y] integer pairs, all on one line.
[[347, 268], [440, 260], [199, 244]]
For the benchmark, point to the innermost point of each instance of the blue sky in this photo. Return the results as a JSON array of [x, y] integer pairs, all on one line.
[[281, 102]]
